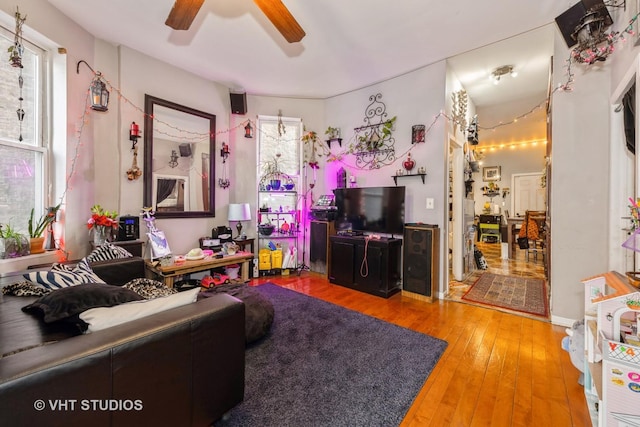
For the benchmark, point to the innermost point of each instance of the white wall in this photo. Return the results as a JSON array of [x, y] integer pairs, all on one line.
[[414, 98], [579, 182]]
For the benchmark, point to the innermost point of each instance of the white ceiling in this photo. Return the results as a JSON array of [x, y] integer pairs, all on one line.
[[348, 44]]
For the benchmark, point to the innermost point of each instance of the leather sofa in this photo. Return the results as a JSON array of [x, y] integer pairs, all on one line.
[[180, 367]]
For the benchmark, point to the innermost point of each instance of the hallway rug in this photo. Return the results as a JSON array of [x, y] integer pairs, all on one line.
[[522, 294], [325, 365]]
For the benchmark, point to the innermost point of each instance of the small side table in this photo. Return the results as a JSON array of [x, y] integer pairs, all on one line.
[[242, 243]]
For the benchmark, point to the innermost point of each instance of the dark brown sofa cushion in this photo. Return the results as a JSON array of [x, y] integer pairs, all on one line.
[[66, 302]]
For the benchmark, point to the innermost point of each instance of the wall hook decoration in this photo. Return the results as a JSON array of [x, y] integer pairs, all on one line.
[[248, 131], [224, 152], [98, 88], [173, 162], [134, 134], [224, 181]]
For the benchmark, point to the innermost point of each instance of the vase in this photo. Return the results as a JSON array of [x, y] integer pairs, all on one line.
[[100, 235], [36, 245], [409, 164]]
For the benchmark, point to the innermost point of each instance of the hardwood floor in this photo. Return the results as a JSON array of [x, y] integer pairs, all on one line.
[[499, 369]]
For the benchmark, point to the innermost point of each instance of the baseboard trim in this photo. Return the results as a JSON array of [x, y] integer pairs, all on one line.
[[562, 321]]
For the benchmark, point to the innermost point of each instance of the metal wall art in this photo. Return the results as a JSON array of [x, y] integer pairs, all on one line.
[[375, 146], [459, 109]]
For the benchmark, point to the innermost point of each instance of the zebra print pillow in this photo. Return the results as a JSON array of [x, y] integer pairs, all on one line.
[[61, 276], [107, 252]]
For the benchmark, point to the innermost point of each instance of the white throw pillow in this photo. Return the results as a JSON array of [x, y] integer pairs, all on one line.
[[106, 317]]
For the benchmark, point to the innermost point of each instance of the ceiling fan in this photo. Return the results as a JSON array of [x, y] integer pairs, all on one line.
[[184, 11]]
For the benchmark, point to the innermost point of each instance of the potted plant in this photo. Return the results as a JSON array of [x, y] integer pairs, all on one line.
[[37, 228], [12, 243], [332, 133], [633, 301], [273, 175]]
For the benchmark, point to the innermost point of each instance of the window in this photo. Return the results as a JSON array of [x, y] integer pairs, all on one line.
[[279, 151], [23, 180], [283, 146]]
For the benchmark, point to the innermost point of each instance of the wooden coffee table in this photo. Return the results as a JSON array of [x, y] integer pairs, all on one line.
[[168, 274]]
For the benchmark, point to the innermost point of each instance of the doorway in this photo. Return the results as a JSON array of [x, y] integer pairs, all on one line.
[[460, 229], [528, 194]]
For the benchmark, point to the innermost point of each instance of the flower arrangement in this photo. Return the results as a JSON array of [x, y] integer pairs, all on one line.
[[102, 218]]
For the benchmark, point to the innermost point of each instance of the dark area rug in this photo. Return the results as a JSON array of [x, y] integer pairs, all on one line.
[[523, 294], [324, 365]]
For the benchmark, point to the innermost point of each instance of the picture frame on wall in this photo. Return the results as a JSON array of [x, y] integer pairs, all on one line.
[[491, 173], [418, 133]]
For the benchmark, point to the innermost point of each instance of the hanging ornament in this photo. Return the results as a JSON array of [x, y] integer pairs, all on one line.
[[134, 172], [16, 51], [15, 57], [281, 128], [248, 131]]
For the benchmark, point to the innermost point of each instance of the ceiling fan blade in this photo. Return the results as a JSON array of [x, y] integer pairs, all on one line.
[[183, 13], [282, 19]]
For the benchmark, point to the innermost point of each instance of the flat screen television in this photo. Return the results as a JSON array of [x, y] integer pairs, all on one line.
[[370, 209]]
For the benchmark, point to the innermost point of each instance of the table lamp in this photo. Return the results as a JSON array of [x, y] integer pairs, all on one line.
[[239, 212]]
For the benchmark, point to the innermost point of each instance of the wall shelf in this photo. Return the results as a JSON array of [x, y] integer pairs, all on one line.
[[329, 141], [421, 175]]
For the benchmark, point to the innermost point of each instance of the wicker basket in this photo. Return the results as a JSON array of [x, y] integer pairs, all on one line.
[[634, 278]]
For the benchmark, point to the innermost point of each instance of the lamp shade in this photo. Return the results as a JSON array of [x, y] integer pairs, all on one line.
[[239, 212]]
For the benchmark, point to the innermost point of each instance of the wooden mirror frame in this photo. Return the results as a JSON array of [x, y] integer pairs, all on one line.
[[149, 103]]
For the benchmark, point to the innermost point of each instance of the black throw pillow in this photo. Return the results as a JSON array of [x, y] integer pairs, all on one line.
[[66, 302]]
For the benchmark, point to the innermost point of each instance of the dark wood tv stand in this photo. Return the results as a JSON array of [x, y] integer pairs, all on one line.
[[383, 277]]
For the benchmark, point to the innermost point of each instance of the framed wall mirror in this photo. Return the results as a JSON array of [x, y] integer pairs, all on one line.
[[179, 144]]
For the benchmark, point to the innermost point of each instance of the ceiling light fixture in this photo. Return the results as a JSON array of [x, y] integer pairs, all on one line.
[[502, 71]]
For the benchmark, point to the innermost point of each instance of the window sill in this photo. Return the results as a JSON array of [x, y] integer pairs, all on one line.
[[12, 265]]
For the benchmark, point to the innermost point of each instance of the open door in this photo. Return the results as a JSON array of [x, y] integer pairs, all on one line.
[[461, 211]]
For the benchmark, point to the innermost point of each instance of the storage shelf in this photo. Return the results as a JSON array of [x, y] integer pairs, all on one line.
[[421, 175], [278, 213], [278, 191], [278, 235]]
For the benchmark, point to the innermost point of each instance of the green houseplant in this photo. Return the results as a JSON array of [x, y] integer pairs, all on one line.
[[332, 133], [37, 227], [13, 244]]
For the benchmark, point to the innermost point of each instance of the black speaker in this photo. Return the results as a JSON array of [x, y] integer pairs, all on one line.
[[421, 260], [238, 103], [319, 253], [185, 150]]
